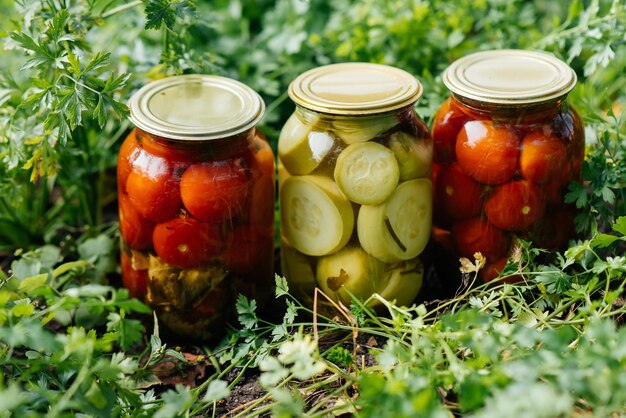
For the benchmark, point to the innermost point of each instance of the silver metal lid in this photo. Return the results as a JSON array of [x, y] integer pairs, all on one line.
[[355, 88], [510, 76], [195, 107]]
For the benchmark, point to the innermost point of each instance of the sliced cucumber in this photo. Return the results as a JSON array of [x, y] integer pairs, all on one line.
[[399, 228], [349, 270], [404, 282], [299, 273], [301, 149], [414, 155], [283, 174], [352, 130], [367, 173], [317, 219]]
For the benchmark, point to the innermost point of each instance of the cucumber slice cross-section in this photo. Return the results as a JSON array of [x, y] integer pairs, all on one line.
[[350, 270], [404, 282], [367, 173], [317, 219], [399, 228]]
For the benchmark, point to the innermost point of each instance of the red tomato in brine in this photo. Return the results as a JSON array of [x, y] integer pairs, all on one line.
[[543, 158], [457, 193], [216, 191], [478, 235], [154, 190], [263, 193], [263, 200], [172, 151], [186, 242], [486, 152], [515, 206], [128, 152], [136, 281], [264, 156], [134, 228], [491, 271], [447, 123]]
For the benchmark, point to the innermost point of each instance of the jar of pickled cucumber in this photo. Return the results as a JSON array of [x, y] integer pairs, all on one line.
[[355, 189], [506, 145], [196, 202]]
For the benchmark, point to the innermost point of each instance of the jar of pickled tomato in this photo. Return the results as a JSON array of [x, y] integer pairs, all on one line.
[[196, 202], [355, 189], [506, 145]]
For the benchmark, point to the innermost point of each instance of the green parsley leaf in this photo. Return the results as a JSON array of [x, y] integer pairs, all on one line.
[[246, 310], [603, 240], [620, 225]]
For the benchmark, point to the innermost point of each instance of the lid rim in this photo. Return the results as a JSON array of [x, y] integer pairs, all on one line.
[[563, 78], [407, 92], [252, 109]]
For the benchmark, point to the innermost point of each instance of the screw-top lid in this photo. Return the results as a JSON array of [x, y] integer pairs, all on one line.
[[195, 107], [355, 89], [510, 76]]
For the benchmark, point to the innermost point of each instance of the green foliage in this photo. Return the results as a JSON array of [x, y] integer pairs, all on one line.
[[65, 83], [165, 12], [67, 346], [600, 197], [36, 304], [484, 351], [489, 364], [340, 356]]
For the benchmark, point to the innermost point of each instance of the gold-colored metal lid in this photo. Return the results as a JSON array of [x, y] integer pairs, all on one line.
[[355, 89], [510, 76], [195, 107]]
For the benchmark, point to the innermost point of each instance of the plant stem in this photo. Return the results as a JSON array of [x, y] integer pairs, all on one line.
[[56, 408], [121, 8], [272, 106], [552, 37]]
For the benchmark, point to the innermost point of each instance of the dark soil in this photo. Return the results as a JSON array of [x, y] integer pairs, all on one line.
[[248, 390], [244, 393]]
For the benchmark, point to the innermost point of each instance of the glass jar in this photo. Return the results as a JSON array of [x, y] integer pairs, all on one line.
[[506, 145], [196, 202], [355, 165]]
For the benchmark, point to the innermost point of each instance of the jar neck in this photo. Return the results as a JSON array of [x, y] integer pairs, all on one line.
[[514, 112], [309, 116]]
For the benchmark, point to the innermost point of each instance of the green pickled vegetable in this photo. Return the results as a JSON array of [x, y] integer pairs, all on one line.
[[399, 228], [403, 283], [367, 173], [317, 219], [414, 156], [350, 270]]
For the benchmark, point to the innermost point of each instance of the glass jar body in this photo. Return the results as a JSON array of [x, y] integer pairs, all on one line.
[[501, 173], [356, 207], [196, 226]]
